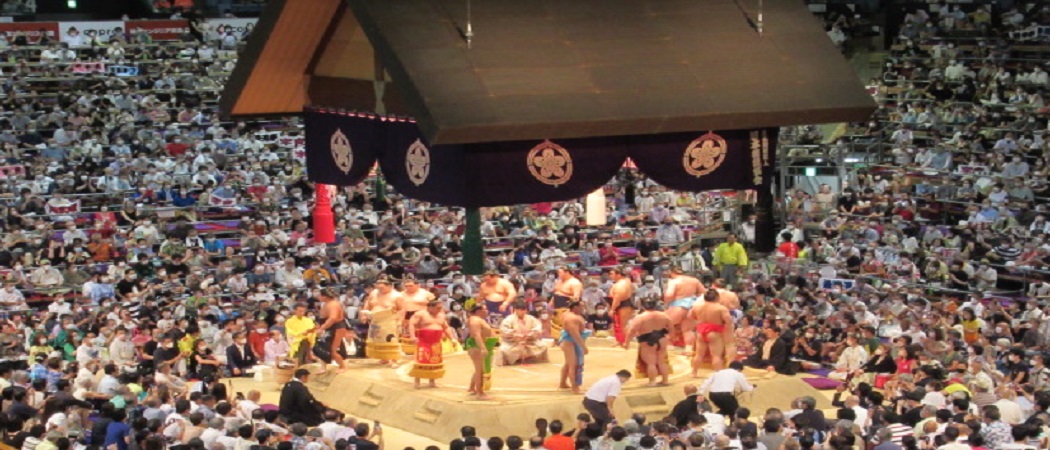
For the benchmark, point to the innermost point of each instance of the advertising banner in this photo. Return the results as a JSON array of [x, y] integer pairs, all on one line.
[[159, 30], [238, 26], [33, 31], [102, 29]]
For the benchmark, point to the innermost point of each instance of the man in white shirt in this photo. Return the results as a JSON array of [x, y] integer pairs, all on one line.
[[331, 427], [853, 402], [248, 406], [274, 348], [175, 424], [60, 307], [600, 398], [721, 388], [215, 430], [109, 384], [11, 299], [954, 71], [796, 233], [45, 275], [121, 350], [669, 233]]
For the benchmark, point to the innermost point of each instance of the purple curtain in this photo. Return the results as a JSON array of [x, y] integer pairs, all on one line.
[[497, 173], [695, 162], [341, 148], [516, 172]]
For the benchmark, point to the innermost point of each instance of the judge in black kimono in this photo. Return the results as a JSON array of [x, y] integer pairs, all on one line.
[[298, 404]]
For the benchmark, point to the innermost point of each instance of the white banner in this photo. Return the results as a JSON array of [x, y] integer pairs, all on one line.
[[239, 25], [103, 29]]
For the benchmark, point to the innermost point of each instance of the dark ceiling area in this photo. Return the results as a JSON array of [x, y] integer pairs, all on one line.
[[551, 68]]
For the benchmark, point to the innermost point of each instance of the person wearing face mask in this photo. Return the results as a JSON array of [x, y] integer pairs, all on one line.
[[279, 321], [257, 338], [275, 348], [166, 353], [45, 276], [11, 299], [239, 356], [648, 289], [39, 348], [600, 321], [806, 349], [852, 359], [122, 351]]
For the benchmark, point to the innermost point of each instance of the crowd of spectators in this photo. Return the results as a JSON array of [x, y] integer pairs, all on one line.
[[150, 250]]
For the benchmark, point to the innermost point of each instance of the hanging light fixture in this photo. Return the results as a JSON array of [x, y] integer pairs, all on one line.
[[595, 205]]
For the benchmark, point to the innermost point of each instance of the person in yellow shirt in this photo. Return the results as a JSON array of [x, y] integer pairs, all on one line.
[[730, 259], [299, 331]]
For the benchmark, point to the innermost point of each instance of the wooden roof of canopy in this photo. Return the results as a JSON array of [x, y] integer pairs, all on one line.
[[542, 69]]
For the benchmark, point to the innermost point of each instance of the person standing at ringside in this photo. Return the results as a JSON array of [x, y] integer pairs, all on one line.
[[683, 291], [382, 311], [573, 342], [480, 345], [413, 299], [652, 328], [622, 293], [714, 327], [334, 320], [567, 289], [498, 293], [428, 327]]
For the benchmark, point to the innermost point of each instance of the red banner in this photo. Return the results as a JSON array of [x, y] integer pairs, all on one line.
[[33, 31], [160, 30]]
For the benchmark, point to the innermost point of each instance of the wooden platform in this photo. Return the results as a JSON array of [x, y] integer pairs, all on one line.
[[521, 394]]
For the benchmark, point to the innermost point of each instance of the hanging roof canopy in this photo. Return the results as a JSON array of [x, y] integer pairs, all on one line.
[[542, 69]]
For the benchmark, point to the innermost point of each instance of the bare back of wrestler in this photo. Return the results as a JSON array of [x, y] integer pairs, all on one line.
[[335, 321], [731, 301], [714, 327], [683, 291], [651, 328]]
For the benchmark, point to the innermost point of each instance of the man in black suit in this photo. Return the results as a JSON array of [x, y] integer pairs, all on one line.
[[810, 416], [773, 354], [239, 358], [298, 404], [687, 407]]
